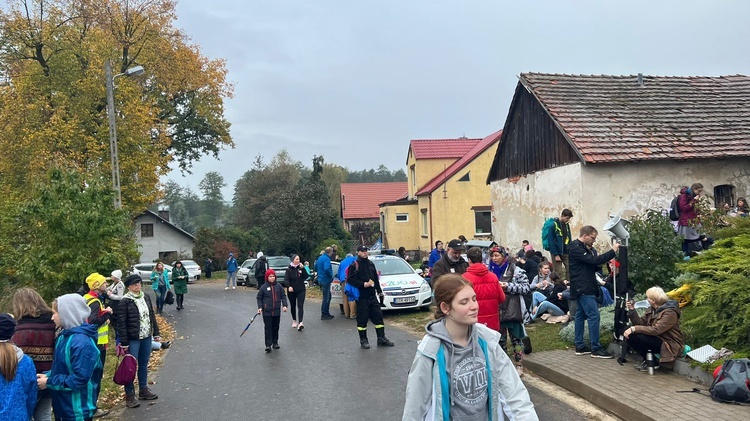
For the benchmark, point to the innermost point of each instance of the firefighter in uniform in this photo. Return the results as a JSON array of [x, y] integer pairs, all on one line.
[[362, 275]]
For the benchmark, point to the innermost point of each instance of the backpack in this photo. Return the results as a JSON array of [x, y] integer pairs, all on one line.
[[126, 370], [548, 230], [674, 209], [732, 385]]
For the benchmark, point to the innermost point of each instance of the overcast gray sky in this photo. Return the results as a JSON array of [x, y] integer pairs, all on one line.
[[354, 81]]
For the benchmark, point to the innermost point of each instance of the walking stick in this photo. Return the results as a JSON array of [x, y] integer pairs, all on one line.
[[248, 325]]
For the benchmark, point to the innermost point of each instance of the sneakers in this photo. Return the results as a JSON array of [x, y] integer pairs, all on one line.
[[583, 351], [268, 349], [131, 401], [276, 346], [643, 366], [300, 326], [100, 413], [166, 344], [147, 395], [234, 287], [600, 353], [294, 324], [326, 317], [226, 288]]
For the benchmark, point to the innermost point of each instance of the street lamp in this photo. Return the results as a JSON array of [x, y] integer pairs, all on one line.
[[133, 71]]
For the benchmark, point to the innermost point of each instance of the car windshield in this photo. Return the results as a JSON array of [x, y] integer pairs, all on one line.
[[248, 263], [278, 262], [392, 267]]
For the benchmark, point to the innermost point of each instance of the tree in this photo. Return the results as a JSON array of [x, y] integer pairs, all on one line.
[[213, 199], [67, 230], [53, 54], [654, 251], [333, 175]]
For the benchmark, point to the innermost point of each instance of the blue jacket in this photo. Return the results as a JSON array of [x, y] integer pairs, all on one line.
[[75, 369], [435, 255], [343, 266], [325, 271], [18, 396], [155, 279], [559, 242], [231, 264]]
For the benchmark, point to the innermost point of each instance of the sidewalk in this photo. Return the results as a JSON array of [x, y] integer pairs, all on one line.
[[629, 394]]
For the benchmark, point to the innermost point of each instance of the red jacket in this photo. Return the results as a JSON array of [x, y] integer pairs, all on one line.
[[686, 204], [489, 294]]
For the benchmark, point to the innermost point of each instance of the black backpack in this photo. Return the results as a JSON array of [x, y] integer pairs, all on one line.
[[674, 209], [733, 382]]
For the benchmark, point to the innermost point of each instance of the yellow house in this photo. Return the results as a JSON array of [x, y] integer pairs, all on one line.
[[447, 195]]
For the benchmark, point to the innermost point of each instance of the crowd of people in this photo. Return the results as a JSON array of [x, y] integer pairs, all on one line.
[[52, 356]]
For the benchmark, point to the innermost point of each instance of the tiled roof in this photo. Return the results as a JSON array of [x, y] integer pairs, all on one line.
[[441, 148], [469, 156], [614, 118], [361, 200]]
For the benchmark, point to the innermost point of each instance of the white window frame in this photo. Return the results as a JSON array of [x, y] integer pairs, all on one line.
[[424, 224], [402, 220]]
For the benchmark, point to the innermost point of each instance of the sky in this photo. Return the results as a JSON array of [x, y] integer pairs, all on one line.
[[356, 80]]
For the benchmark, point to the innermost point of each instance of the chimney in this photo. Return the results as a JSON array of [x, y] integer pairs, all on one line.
[[164, 214], [640, 79]]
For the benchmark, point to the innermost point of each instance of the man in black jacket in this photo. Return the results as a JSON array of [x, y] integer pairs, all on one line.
[[585, 288], [451, 262], [362, 275], [261, 266]]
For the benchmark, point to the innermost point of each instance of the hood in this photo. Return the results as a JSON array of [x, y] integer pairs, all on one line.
[[688, 191], [72, 310], [19, 353], [671, 304], [85, 329], [478, 269]]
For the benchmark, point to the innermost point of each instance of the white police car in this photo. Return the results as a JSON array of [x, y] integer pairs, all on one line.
[[402, 286]]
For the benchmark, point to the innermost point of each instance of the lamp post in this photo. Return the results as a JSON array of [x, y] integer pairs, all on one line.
[[115, 160]]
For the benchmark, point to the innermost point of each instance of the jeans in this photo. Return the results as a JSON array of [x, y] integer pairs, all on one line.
[[232, 276], [141, 350], [641, 343], [160, 293], [325, 309], [537, 298], [547, 307], [587, 310]]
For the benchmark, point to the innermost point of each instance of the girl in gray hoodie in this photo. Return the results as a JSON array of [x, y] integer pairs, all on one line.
[[460, 372]]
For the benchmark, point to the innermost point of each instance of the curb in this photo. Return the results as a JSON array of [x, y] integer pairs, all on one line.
[[593, 395]]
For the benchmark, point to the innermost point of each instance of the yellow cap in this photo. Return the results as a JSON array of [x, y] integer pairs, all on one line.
[[95, 280]]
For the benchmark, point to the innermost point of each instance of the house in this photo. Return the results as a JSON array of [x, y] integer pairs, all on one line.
[[447, 194], [616, 145], [359, 201], [157, 237]]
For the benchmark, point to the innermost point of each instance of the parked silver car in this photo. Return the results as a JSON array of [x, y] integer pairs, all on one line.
[[245, 271], [144, 270], [194, 270]]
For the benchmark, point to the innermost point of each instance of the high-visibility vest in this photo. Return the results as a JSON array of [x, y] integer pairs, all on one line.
[[102, 334]]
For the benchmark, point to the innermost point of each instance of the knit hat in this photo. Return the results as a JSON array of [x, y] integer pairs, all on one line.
[[270, 272], [117, 274], [132, 279], [7, 327], [72, 310], [95, 280]]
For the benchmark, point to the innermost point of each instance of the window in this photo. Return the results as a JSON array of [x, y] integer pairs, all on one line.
[[723, 194], [413, 174], [147, 230], [402, 217], [424, 222], [483, 222], [465, 177]]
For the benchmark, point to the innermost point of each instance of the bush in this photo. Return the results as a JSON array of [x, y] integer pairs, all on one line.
[[654, 251], [723, 318], [606, 327]]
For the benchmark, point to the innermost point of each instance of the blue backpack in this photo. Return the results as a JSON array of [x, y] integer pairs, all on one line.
[[548, 230]]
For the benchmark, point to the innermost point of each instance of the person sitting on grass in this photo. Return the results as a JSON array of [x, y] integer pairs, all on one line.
[[658, 330], [555, 304]]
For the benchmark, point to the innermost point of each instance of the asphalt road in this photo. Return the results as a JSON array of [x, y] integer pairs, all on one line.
[[211, 373]]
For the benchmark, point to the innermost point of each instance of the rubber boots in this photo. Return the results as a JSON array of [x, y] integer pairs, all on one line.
[[382, 340], [363, 342]]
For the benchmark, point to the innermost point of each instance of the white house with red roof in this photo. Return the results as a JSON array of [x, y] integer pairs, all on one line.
[[447, 194]]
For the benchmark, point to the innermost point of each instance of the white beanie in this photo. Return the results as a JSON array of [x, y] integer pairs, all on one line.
[[117, 274], [72, 310]]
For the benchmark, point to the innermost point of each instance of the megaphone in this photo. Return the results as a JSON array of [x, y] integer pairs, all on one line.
[[616, 227]]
